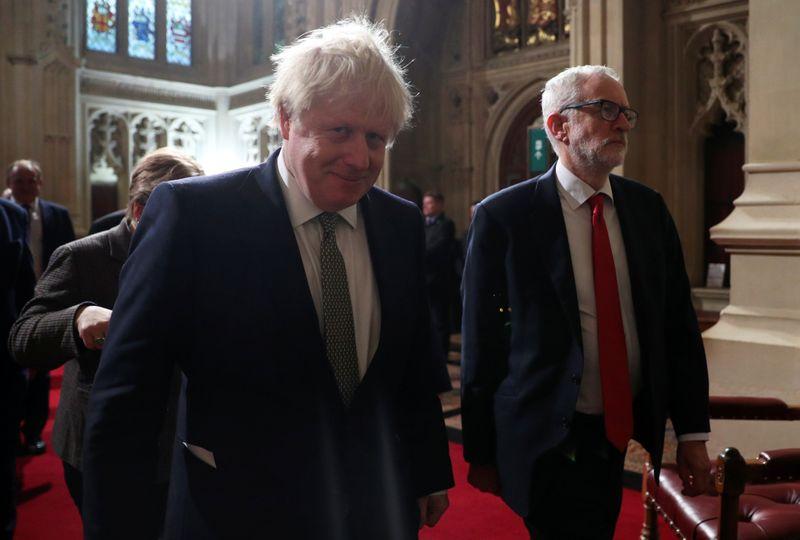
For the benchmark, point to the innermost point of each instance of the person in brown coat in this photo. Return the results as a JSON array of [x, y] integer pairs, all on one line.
[[66, 321]]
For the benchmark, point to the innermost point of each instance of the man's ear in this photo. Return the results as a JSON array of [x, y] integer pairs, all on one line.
[[557, 125], [138, 209], [285, 123]]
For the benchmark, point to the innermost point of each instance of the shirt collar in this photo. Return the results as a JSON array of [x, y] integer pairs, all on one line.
[[300, 208], [575, 190], [34, 206]]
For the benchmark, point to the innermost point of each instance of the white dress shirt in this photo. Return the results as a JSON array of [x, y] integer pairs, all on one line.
[[574, 194], [351, 238]]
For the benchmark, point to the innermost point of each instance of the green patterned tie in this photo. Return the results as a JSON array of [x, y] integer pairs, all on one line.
[[337, 313]]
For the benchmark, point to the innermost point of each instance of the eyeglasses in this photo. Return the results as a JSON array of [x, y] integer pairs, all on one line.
[[609, 110]]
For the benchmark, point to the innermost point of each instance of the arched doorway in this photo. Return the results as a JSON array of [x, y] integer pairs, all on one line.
[[513, 166], [723, 151]]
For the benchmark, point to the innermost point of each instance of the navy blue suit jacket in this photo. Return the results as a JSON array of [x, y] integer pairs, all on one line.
[[215, 283], [56, 229], [16, 287], [16, 273], [522, 350]]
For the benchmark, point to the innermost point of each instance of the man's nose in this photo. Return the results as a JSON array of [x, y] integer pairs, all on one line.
[[357, 152], [622, 123]]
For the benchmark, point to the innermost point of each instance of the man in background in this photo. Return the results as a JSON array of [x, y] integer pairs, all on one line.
[[440, 246], [67, 321], [49, 226], [16, 287]]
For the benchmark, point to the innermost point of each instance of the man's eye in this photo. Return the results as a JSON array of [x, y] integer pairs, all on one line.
[[376, 139], [341, 130]]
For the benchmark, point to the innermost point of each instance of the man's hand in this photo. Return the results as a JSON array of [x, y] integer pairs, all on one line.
[[91, 322], [485, 478], [694, 467], [431, 508]]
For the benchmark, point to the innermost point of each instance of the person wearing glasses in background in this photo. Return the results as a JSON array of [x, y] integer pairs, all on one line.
[[579, 333]]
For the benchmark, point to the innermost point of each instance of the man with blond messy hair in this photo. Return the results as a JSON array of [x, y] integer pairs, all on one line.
[[292, 297]]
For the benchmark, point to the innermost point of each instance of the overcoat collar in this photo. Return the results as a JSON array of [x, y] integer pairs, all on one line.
[[119, 241], [551, 232]]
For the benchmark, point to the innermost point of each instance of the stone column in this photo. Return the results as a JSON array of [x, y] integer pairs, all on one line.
[[38, 88], [754, 350]]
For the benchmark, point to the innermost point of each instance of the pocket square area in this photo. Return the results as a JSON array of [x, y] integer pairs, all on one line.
[[206, 456]]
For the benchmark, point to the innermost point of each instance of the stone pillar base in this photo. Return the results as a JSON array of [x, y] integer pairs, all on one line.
[[754, 349]]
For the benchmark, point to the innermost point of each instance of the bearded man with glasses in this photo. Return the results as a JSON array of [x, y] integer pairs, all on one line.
[[579, 333]]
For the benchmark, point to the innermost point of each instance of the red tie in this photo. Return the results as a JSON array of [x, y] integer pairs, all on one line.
[[614, 377]]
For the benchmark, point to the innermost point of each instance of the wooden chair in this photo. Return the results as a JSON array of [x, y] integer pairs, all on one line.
[[756, 499]]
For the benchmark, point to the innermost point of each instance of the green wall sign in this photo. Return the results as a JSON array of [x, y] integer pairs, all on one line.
[[538, 150]]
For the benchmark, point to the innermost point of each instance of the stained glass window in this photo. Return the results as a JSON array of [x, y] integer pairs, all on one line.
[[542, 21], [179, 32], [516, 24], [142, 29], [101, 25], [505, 25]]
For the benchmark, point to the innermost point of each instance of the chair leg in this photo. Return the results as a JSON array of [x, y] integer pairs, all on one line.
[[650, 521]]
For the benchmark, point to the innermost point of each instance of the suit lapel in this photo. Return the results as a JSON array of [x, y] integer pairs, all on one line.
[[271, 220], [549, 228], [265, 211], [379, 236], [119, 241], [47, 223], [632, 236]]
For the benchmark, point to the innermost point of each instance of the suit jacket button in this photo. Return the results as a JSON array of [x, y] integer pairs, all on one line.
[[576, 378], [565, 422]]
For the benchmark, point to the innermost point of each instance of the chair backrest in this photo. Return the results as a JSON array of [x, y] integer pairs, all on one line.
[[750, 408], [733, 471]]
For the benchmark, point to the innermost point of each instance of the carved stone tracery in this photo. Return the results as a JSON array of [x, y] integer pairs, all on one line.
[[187, 134], [149, 133], [119, 138], [257, 137], [721, 78], [107, 145]]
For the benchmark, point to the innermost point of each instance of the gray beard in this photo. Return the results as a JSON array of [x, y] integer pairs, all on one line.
[[590, 159]]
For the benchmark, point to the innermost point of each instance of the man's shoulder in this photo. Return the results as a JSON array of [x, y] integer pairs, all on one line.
[[54, 206], [636, 192], [384, 201], [213, 182], [214, 189], [91, 244], [633, 186], [12, 209], [513, 199], [17, 218]]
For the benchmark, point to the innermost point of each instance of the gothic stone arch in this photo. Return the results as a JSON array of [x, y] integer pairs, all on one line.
[[709, 83]]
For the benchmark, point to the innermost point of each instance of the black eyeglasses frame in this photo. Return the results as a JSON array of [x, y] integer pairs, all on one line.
[[631, 115]]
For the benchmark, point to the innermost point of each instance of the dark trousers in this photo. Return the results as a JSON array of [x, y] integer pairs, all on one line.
[[578, 490], [37, 405], [74, 480], [440, 327], [12, 389], [8, 489]]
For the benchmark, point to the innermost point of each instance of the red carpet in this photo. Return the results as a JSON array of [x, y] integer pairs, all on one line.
[[46, 511], [477, 516]]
